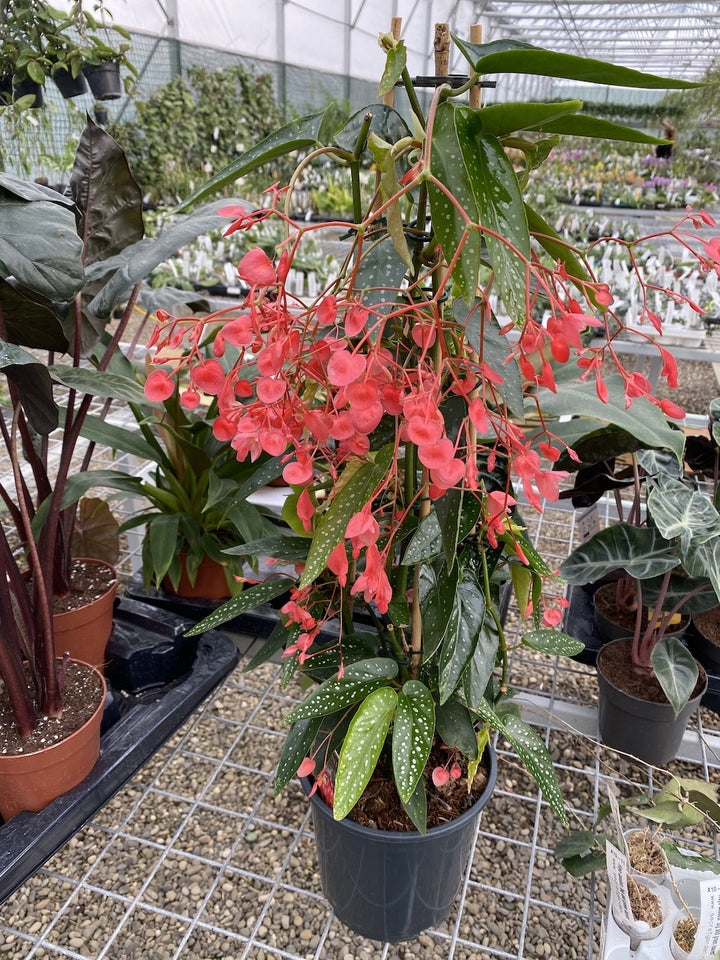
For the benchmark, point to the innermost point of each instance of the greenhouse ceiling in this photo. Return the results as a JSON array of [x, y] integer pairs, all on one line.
[[340, 36]]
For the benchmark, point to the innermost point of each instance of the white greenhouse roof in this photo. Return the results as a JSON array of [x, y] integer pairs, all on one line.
[[340, 36]]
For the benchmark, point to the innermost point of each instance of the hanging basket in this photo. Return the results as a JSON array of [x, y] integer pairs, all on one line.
[[26, 87], [104, 80], [70, 86]]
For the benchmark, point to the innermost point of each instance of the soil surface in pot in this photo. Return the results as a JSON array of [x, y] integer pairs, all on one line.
[[81, 693], [606, 605], [89, 582], [380, 808], [708, 623], [646, 854], [614, 660], [684, 933], [645, 905]]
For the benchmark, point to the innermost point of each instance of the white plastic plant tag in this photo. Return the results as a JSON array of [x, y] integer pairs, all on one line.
[[707, 937], [617, 876], [615, 810], [588, 523]]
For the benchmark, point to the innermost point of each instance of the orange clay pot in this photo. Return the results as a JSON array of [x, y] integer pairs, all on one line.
[[210, 583], [33, 780], [84, 633]]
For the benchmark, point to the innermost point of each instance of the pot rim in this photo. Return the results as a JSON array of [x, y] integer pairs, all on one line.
[[702, 673], [414, 836], [90, 720]]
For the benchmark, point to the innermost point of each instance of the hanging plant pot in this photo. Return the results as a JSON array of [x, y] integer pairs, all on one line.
[[68, 85], [6, 89], [26, 87], [104, 80], [645, 729], [31, 781], [101, 114], [388, 885], [84, 632]]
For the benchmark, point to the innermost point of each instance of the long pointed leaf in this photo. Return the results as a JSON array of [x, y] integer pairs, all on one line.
[[357, 682], [247, 600], [361, 749], [412, 736], [676, 670]]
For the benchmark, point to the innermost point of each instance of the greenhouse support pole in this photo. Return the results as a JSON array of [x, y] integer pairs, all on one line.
[[175, 55], [280, 50]]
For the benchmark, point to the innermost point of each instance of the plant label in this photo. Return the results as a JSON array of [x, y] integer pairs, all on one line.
[[617, 876], [588, 523], [707, 938]]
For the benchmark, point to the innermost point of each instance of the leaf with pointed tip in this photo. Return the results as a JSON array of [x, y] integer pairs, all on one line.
[[461, 635], [436, 608], [455, 727], [679, 512], [482, 663], [500, 119], [478, 173], [676, 670], [394, 65], [361, 749], [247, 600], [385, 122], [516, 56], [416, 807], [641, 552], [551, 241], [426, 542], [412, 738], [385, 163], [98, 383], [553, 642], [357, 682], [33, 384], [297, 746], [484, 336], [533, 753], [297, 135], [280, 637]]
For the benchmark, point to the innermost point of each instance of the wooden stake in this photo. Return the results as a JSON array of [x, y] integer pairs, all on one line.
[[476, 91], [395, 30], [441, 45]]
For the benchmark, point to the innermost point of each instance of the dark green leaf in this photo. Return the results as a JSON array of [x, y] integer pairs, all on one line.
[[641, 552], [412, 736], [455, 727], [296, 135], [426, 542], [500, 119], [460, 636], [482, 663], [359, 680], [98, 383], [281, 636], [553, 642], [516, 56], [552, 243], [416, 807], [297, 746], [484, 336], [436, 608], [34, 387], [676, 670], [291, 549], [247, 600], [385, 123]]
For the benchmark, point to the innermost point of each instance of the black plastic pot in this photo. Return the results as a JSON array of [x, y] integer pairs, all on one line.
[[646, 730], [707, 652], [5, 89], [391, 886], [68, 85], [156, 677], [26, 87], [104, 80], [608, 629]]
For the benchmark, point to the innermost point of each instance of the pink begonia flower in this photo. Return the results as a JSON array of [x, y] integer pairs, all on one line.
[[338, 563], [306, 767], [209, 376], [190, 399], [159, 386], [270, 390], [344, 367], [256, 267], [297, 474], [355, 321], [552, 617], [440, 776], [327, 311]]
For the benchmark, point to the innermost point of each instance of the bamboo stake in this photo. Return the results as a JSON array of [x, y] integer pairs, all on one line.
[[476, 91], [441, 45], [395, 30]]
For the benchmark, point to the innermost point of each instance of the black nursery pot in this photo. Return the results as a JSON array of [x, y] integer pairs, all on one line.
[[68, 85], [646, 730], [391, 886], [104, 80], [25, 87]]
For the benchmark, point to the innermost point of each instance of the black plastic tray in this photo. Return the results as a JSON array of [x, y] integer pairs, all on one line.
[[156, 678]]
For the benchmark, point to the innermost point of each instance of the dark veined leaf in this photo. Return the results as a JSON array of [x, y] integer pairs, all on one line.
[[360, 751], [482, 663], [247, 600], [682, 513], [461, 635], [412, 736], [98, 383], [359, 680], [641, 552], [34, 386], [516, 56], [676, 670]]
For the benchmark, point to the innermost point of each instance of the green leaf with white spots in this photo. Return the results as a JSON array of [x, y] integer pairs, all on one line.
[[331, 530], [247, 600], [482, 663], [553, 642], [297, 746], [436, 607], [361, 748], [475, 168], [385, 163], [534, 559], [416, 807], [455, 727], [357, 682], [533, 753], [426, 542], [461, 634], [394, 65], [412, 736]]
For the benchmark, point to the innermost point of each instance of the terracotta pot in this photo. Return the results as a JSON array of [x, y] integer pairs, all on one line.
[[33, 780], [84, 633], [210, 582]]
